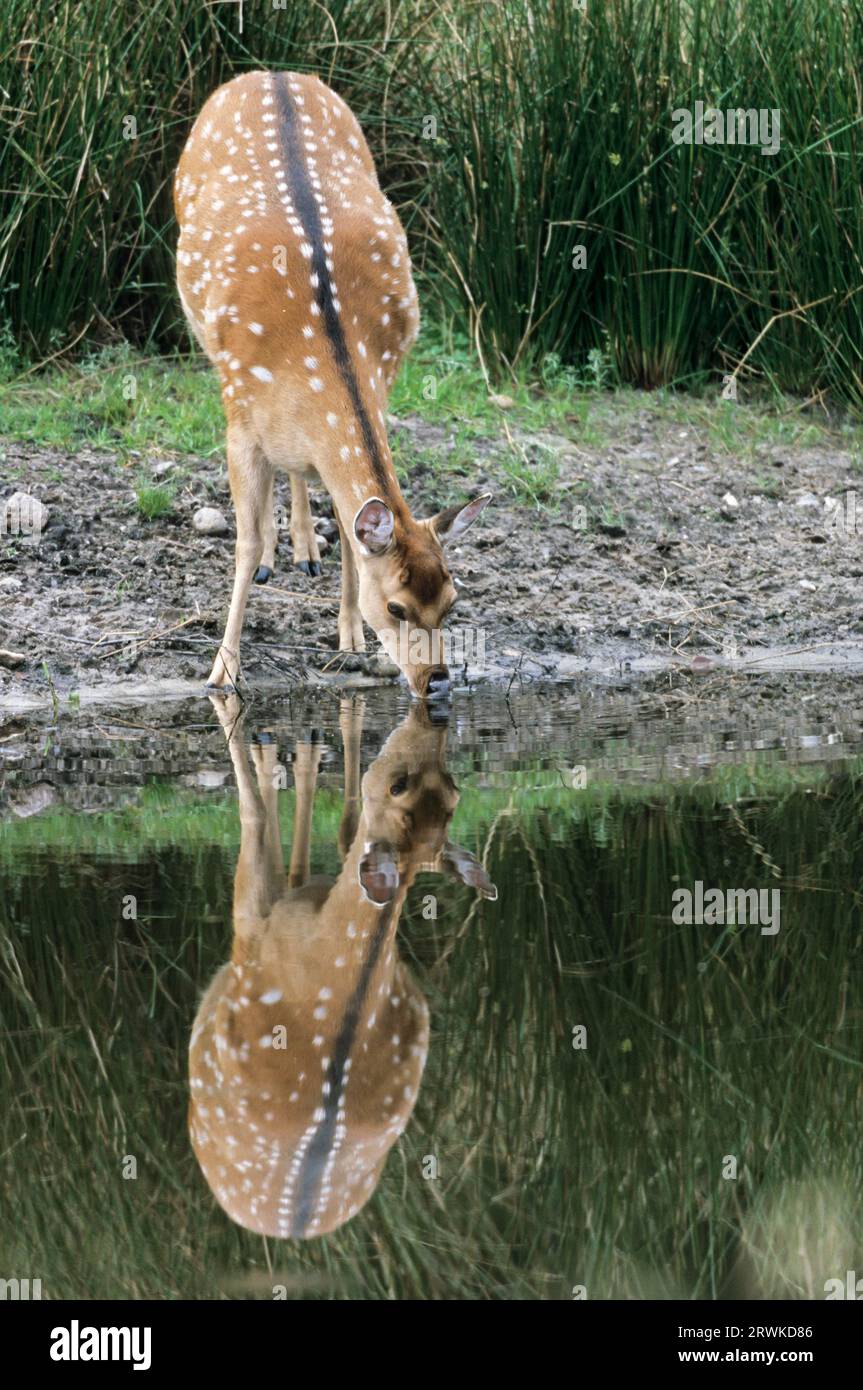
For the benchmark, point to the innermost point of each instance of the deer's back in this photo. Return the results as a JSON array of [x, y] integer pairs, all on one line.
[[290, 258]]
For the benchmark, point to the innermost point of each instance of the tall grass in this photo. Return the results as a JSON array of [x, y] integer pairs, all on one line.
[[553, 130], [98, 101], [558, 133]]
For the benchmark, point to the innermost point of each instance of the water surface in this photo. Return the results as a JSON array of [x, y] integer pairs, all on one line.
[[584, 1095]]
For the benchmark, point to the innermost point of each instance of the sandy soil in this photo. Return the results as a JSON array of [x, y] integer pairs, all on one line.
[[656, 572]]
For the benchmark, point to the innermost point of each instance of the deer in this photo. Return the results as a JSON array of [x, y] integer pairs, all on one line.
[[294, 275], [309, 1045]]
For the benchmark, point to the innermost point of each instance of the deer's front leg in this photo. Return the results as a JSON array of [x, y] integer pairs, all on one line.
[[351, 638], [260, 876], [351, 713], [303, 538], [250, 476]]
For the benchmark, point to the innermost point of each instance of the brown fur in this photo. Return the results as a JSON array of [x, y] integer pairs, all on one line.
[[307, 334], [301, 948]]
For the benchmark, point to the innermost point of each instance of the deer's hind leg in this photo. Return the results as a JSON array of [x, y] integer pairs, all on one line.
[[267, 566], [307, 758], [303, 537]]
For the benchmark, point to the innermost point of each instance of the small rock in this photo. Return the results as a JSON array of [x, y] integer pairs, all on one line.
[[34, 800], [551, 443], [807, 585], [729, 504], [379, 664], [23, 515], [162, 466], [487, 537], [209, 521], [502, 402], [808, 500], [570, 666], [11, 659], [210, 777], [700, 665]]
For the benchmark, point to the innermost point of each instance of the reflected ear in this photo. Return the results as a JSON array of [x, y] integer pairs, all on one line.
[[464, 866], [373, 526], [379, 874], [452, 522]]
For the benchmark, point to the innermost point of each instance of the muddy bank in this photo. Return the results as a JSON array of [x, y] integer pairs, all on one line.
[[658, 556]]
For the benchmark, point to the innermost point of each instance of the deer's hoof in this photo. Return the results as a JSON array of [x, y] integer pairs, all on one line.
[[262, 574], [310, 567]]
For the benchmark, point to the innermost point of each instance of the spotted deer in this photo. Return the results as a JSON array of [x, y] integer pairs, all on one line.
[[309, 1046], [294, 274]]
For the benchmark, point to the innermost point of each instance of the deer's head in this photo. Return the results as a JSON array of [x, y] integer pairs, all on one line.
[[406, 591], [409, 799]]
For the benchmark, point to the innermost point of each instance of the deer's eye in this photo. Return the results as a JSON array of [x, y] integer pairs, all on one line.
[[399, 787], [396, 610]]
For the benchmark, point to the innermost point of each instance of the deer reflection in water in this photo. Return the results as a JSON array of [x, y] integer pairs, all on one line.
[[308, 1047]]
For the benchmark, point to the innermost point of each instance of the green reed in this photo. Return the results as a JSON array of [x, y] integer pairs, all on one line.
[[509, 134]]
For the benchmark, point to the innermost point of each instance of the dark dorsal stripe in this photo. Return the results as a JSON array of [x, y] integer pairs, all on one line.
[[307, 210], [319, 1149]]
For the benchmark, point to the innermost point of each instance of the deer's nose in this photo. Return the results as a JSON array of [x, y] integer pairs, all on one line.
[[438, 683]]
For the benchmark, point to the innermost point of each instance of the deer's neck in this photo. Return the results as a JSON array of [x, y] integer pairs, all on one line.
[[355, 472]]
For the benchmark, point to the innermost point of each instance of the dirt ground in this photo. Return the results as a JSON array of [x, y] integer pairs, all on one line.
[[642, 567]]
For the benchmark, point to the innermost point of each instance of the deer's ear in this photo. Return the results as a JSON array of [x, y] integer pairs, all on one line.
[[449, 524], [464, 866], [373, 526], [379, 874]]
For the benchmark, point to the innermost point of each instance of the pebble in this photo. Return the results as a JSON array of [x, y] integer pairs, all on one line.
[[35, 800], [379, 664], [729, 504], [209, 521], [23, 515]]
